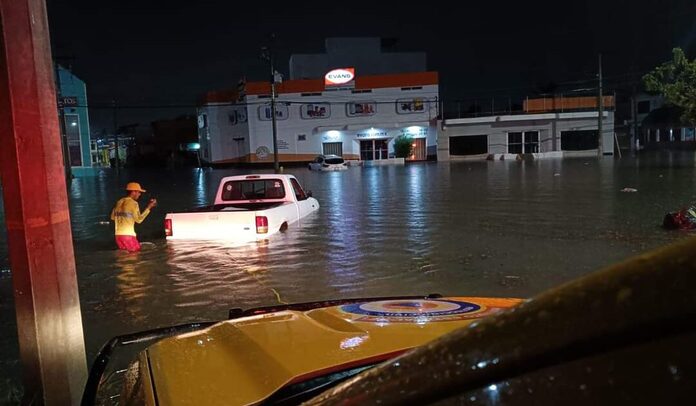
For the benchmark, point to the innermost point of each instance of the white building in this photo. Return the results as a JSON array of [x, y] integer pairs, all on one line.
[[538, 135], [358, 119]]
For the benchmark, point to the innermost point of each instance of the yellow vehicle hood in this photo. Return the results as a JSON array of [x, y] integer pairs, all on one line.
[[243, 361]]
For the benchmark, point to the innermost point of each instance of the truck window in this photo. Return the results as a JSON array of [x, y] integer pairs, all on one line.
[[299, 193], [253, 189]]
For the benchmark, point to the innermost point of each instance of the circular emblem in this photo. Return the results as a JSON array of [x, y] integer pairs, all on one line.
[[412, 308], [262, 152]]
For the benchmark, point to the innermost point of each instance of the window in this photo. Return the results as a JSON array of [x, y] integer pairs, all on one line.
[[72, 131], [526, 142], [266, 115], [644, 107], [315, 110], [333, 148], [361, 91], [299, 193], [579, 140], [301, 137], [514, 143], [531, 142], [238, 116], [374, 149], [310, 94], [202, 120], [362, 108], [253, 189], [408, 106], [412, 88], [469, 145]]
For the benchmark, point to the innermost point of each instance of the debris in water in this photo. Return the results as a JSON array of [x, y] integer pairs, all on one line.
[[103, 223], [511, 280], [556, 174], [629, 189]]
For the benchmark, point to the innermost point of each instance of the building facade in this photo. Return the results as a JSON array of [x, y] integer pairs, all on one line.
[[358, 119], [73, 99], [538, 135]]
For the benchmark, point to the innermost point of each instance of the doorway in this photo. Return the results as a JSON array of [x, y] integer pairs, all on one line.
[[371, 150]]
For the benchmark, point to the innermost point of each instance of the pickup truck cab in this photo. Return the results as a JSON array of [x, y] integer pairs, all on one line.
[[247, 208]]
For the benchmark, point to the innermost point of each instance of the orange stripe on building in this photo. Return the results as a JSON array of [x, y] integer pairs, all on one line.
[[396, 80], [317, 85], [220, 96]]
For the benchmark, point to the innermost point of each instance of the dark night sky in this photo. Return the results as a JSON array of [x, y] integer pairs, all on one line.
[[155, 53]]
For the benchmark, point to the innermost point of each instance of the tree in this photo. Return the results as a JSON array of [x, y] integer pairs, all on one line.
[[676, 81], [403, 146]]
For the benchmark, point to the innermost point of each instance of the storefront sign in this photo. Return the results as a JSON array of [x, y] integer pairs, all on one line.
[[357, 109], [262, 152], [344, 77], [315, 110], [265, 112], [408, 106], [415, 132], [372, 134], [67, 101], [239, 116]]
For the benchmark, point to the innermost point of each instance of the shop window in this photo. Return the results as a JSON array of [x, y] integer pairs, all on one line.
[[515, 143], [333, 148], [469, 145], [579, 140]]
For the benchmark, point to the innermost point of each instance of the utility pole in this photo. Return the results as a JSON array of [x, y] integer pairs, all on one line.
[[269, 56], [600, 110], [116, 154], [634, 113], [37, 216]]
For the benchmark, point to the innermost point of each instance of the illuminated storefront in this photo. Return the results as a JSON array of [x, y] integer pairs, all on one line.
[[357, 117]]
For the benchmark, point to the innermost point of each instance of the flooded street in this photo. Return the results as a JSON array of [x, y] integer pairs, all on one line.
[[460, 228]]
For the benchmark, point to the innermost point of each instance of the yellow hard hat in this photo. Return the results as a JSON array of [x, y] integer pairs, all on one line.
[[134, 186]]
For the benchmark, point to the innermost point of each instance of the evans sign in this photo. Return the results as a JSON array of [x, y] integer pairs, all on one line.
[[340, 77]]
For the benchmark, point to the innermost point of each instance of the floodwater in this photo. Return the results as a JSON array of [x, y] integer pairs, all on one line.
[[460, 228]]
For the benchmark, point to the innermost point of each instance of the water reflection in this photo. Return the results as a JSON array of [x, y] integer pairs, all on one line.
[[343, 247], [462, 228]]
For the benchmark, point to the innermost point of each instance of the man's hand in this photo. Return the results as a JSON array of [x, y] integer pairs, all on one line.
[[152, 203]]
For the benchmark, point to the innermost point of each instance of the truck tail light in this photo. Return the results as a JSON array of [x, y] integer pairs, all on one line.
[[168, 227], [261, 224]]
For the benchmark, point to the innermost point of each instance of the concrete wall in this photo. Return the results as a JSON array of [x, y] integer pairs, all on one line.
[[549, 125], [72, 86]]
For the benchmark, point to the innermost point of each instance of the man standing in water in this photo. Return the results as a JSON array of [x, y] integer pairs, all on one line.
[[126, 213]]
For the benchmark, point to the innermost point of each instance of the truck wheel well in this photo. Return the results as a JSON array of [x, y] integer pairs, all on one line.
[[284, 226]]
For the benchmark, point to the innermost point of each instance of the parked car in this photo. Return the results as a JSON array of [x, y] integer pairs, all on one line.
[[247, 208], [328, 163]]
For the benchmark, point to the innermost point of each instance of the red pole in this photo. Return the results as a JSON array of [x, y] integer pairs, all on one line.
[[47, 304]]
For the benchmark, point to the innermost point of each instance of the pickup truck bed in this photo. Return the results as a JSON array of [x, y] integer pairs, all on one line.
[[278, 202]]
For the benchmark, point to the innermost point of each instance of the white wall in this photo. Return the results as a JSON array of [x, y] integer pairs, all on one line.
[[549, 126], [259, 132]]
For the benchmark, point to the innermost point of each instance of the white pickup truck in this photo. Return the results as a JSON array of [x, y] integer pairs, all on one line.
[[247, 208]]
